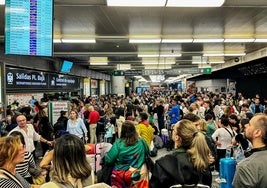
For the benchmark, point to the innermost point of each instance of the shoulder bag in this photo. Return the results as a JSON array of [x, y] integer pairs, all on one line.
[[149, 162]]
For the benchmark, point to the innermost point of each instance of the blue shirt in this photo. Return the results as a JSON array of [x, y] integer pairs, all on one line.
[[174, 114], [78, 128]]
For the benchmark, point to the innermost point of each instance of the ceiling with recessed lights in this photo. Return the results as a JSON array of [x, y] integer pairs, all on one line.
[[176, 37]]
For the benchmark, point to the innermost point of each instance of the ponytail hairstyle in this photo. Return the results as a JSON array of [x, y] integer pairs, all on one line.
[[195, 144]]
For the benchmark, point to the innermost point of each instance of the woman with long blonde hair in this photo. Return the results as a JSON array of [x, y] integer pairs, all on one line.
[[189, 162]]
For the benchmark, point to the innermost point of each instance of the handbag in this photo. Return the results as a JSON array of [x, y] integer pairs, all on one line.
[[104, 174], [149, 162]]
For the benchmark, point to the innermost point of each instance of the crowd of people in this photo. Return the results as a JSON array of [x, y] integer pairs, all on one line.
[[200, 126]]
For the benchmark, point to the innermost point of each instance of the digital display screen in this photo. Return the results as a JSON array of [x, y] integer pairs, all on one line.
[[66, 66], [29, 27]]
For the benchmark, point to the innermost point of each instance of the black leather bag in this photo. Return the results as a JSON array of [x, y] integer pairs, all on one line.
[[149, 163], [104, 174]]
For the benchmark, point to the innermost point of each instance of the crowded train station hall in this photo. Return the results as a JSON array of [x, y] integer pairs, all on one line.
[[133, 94]]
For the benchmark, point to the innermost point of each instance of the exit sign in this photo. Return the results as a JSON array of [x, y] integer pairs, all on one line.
[[205, 70], [118, 73]]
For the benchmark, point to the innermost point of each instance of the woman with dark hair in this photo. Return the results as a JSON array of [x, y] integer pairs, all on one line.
[[71, 168], [234, 122], [128, 155], [45, 129], [223, 138], [189, 162], [61, 125]]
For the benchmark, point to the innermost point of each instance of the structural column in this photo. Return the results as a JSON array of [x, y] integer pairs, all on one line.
[[118, 85]]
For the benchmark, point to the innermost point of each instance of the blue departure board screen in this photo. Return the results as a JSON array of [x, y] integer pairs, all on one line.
[[66, 66], [29, 27]]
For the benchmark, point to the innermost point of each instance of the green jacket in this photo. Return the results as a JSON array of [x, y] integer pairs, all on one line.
[[126, 156]]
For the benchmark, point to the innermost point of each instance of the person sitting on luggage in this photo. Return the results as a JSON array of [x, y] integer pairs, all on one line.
[[189, 162], [128, 156], [252, 171]]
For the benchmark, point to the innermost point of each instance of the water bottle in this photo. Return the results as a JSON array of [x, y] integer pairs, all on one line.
[[228, 152]]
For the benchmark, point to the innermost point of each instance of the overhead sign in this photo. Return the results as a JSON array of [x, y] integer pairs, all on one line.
[[205, 70], [118, 73], [19, 78], [170, 72], [28, 79], [148, 72], [133, 73], [193, 70], [57, 80]]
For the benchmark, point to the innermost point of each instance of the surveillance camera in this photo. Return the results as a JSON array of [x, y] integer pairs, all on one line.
[[236, 59]]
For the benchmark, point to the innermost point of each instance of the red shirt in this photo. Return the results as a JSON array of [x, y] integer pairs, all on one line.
[[93, 117]]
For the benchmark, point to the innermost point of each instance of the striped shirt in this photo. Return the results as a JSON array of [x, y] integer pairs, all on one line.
[[8, 180], [23, 168]]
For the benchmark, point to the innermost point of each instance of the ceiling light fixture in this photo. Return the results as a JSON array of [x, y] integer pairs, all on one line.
[[213, 54], [239, 40], [208, 40], [160, 63], [64, 40], [170, 55], [215, 62], [57, 41], [223, 54], [158, 66], [234, 54], [123, 66], [137, 3], [260, 40], [195, 3], [198, 62], [177, 40], [159, 55], [162, 3], [144, 40], [148, 55], [98, 61]]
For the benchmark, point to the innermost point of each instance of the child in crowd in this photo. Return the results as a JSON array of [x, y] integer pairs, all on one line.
[[109, 132]]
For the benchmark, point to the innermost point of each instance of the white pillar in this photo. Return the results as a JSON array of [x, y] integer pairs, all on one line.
[[118, 85]]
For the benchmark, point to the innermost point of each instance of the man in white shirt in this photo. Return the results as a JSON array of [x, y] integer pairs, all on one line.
[[29, 134]]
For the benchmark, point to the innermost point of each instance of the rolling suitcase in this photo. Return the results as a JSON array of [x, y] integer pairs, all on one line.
[[164, 136], [227, 172], [100, 149]]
